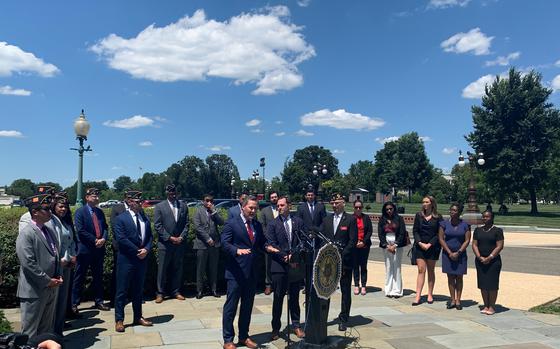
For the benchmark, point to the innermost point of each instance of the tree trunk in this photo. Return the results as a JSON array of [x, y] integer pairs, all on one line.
[[533, 194], [409, 195]]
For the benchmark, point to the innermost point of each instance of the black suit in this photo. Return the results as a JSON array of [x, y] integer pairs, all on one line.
[[170, 255], [311, 221], [278, 237], [115, 212], [345, 235]]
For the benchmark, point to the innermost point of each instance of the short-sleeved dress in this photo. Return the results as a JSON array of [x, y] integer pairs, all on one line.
[[426, 231], [488, 275], [454, 238]]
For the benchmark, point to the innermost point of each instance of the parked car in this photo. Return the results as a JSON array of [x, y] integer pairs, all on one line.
[[109, 203], [150, 203], [226, 204], [17, 203], [196, 203]]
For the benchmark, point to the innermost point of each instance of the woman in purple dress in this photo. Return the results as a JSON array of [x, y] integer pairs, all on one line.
[[454, 237]]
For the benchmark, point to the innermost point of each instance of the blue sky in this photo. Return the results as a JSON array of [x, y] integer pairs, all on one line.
[[161, 80]]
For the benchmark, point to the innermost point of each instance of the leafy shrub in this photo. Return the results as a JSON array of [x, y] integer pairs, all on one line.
[[5, 325]]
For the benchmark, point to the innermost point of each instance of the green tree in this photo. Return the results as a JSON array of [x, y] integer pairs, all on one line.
[[221, 170], [439, 187], [298, 172], [515, 128], [152, 185], [188, 175], [22, 187], [122, 183], [384, 168], [361, 175], [71, 190]]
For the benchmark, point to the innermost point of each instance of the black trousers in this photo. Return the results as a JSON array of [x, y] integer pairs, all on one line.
[[207, 260], [170, 269], [345, 288], [360, 265], [281, 284]]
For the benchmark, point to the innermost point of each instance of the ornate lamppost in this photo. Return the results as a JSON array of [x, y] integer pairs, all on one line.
[[320, 170], [262, 165], [472, 215], [81, 128], [232, 183], [255, 176]]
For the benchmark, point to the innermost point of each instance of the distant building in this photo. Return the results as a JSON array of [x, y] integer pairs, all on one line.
[[359, 194], [5, 199]]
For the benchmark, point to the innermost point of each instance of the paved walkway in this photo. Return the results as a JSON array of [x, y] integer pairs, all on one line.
[[378, 322]]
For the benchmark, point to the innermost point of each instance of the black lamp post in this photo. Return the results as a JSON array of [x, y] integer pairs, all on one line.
[[81, 128], [320, 170], [255, 176], [262, 164], [472, 215]]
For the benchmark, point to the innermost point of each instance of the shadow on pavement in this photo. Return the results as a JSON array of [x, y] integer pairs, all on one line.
[[160, 319]]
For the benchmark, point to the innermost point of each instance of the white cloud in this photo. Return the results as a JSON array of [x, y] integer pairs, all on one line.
[[303, 133], [556, 83], [557, 63], [280, 134], [341, 119], [437, 4], [395, 138], [339, 151], [262, 47], [116, 168], [145, 144], [218, 148], [504, 60], [130, 123], [476, 89], [11, 134], [303, 3], [449, 151], [15, 60], [256, 130], [252, 123], [278, 122], [474, 41], [9, 91]]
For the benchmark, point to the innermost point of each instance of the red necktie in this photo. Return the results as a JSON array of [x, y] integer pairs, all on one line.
[[96, 225], [250, 231]]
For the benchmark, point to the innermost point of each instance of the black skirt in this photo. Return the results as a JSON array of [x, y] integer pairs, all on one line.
[[488, 275], [430, 254]]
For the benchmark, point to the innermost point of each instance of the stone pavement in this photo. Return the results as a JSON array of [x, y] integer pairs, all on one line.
[[377, 321]]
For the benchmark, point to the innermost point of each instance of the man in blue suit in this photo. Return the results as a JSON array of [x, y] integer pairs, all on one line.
[[235, 211], [242, 237], [91, 228], [286, 267], [134, 239]]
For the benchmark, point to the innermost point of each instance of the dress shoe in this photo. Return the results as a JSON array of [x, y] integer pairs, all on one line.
[[229, 345], [159, 298], [180, 297], [215, 294], [199, 295], [430, 302], [143, 322], [274, 336], [101, 306], [267, 290], [356, 291], [459, 306], [119, 326], [299, 332], [450, 305], [249, 343], [73, 313], [364, 291], [416, 303], [342, 326]]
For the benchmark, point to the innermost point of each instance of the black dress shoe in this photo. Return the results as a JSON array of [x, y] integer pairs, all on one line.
[[450, 306], [342, 326], [199, 295], [459, 306], [101, 306], [215, 294], [416, 303]]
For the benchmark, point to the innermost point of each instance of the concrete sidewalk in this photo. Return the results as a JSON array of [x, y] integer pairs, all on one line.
[[377, 321]]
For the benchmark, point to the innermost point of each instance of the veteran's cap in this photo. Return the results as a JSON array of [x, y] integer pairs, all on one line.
[[170, 188], [36, 201], [338, 197], [92, 191]]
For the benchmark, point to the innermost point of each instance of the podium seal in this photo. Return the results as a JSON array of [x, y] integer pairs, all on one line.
[[327, 270]]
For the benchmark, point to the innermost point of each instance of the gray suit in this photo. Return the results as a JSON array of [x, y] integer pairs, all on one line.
[[267, 217], [39, 262], [170, 256], [206, 228]]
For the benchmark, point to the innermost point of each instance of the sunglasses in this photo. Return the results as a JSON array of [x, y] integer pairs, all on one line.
[[389, 209], [358, 207], [209, 200]]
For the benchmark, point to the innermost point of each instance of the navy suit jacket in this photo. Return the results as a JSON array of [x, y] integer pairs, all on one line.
[[85, 230], [234, 236], [234, 211], [127, 237], [277, 237], [312, 222]]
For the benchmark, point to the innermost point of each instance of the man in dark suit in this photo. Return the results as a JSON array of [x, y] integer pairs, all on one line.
[[242, 236], [268, 214], [337, 226], [311, 212], [91, 228], [207, 245], [39, 274], [235, 211], [282, 235], [134, 238], [171, 222]]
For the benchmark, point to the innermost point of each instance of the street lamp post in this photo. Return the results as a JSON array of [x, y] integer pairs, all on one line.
[[320, 170], [232, 183], [262, 164], [472, 215], [81, 128], [255, 176]]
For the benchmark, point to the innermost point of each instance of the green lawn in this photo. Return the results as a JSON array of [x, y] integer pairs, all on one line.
[[548, 308]]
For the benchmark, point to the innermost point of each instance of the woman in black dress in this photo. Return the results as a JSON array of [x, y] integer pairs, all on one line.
[[427, 247], [488, 242]]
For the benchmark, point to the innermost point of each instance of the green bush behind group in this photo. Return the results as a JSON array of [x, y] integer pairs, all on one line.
[[9, 220]]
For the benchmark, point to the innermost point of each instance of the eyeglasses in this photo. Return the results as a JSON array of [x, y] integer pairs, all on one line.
[[358, 207], [389, 209]]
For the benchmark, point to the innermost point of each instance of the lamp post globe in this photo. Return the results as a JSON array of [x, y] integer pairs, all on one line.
[[81, 128]]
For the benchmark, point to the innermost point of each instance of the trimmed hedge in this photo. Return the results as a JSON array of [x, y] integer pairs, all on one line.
[[9, 219]]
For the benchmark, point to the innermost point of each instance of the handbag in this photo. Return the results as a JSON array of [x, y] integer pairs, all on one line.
[[412, 254]]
